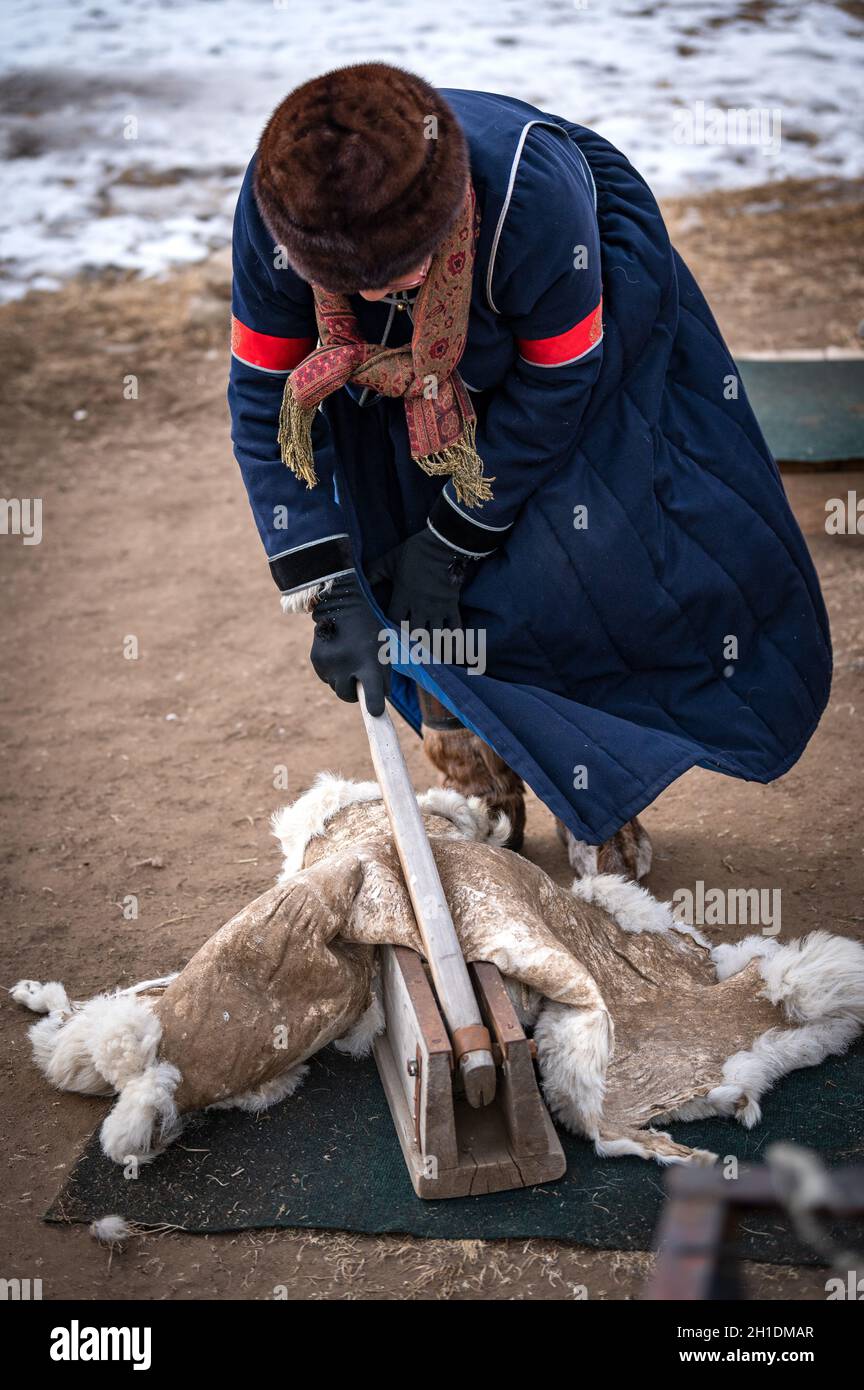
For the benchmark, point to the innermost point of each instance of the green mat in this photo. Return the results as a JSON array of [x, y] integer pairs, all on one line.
[[809, 411], [329, 1158]]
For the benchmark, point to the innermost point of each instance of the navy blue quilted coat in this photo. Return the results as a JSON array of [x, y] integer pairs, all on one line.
[[647, 598]]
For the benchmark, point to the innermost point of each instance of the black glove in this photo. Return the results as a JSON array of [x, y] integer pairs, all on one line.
[[346, 644], [427, 577]]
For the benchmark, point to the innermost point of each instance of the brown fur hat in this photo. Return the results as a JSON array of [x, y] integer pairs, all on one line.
[[355, 180]]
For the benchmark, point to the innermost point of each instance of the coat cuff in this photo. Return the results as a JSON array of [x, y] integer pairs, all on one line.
[[311, 563], [457, 529]]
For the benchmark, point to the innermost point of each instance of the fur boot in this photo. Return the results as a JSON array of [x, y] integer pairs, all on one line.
[[628, 852], [470, 766]]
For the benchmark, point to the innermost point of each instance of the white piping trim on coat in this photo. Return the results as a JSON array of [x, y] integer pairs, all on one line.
[[478, 554], [514, 170], [317, 585], [570, 360], [590, 172], [485, 525], [339, 536], [269, 371]]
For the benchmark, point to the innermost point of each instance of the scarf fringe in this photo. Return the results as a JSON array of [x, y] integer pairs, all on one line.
[[295, 437], [465, 466], [461, 460]]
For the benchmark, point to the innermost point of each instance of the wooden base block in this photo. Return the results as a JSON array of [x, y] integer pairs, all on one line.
[[450, 1149]]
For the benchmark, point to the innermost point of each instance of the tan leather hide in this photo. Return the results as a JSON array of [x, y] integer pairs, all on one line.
[[293, 971]]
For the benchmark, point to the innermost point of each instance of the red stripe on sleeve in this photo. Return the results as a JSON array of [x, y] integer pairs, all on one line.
[[565, 347], [263, 350]]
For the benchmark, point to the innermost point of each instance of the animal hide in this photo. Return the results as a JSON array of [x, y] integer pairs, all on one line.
[[637, 1020]]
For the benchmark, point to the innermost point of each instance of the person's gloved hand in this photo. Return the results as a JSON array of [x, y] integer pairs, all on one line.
[[427, 577], [345, 649]]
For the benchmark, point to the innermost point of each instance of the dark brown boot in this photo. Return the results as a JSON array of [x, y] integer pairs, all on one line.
[[628, 852], [471, 767]]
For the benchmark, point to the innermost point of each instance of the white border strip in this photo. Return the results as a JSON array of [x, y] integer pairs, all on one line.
[[476, 554], [314, 583], [485, 525], [589, 170], [547, 365], [514, 169], [270, 371], [340, 536]]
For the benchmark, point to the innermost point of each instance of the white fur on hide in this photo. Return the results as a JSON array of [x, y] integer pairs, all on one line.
[[98, 1046], [270, 1093], [145, 1118], [818, 981], [124, 1037], [732, 956], [816, 977], [633, 907], [61, 1051], [298, 823], [110, 1044], [748, 1075], [573, 1051], [470, 815], [358, 1041], [295, 825]]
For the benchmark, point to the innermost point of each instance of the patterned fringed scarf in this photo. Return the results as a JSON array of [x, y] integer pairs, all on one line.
[[441, 420]]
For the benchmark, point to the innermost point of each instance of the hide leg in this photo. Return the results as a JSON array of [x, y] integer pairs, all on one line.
[[267, 1094], [573, 1051], [145, 1119], [651, 1143], [628, 852], [471, 767], [357, 1042]]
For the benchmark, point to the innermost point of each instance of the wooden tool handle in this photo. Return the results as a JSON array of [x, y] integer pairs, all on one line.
[[437, 932]]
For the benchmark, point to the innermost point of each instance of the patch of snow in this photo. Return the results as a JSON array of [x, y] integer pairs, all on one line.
[[126, 126]]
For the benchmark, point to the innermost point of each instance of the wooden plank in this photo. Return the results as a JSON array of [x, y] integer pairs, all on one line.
[[417, 1037], [434, 922], [499, 1011], [521, 1103]]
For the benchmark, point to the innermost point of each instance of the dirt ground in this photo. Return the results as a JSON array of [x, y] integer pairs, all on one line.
[[154, 775]]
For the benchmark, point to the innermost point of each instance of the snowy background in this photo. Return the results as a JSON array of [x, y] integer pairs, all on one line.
[[194, 81]]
